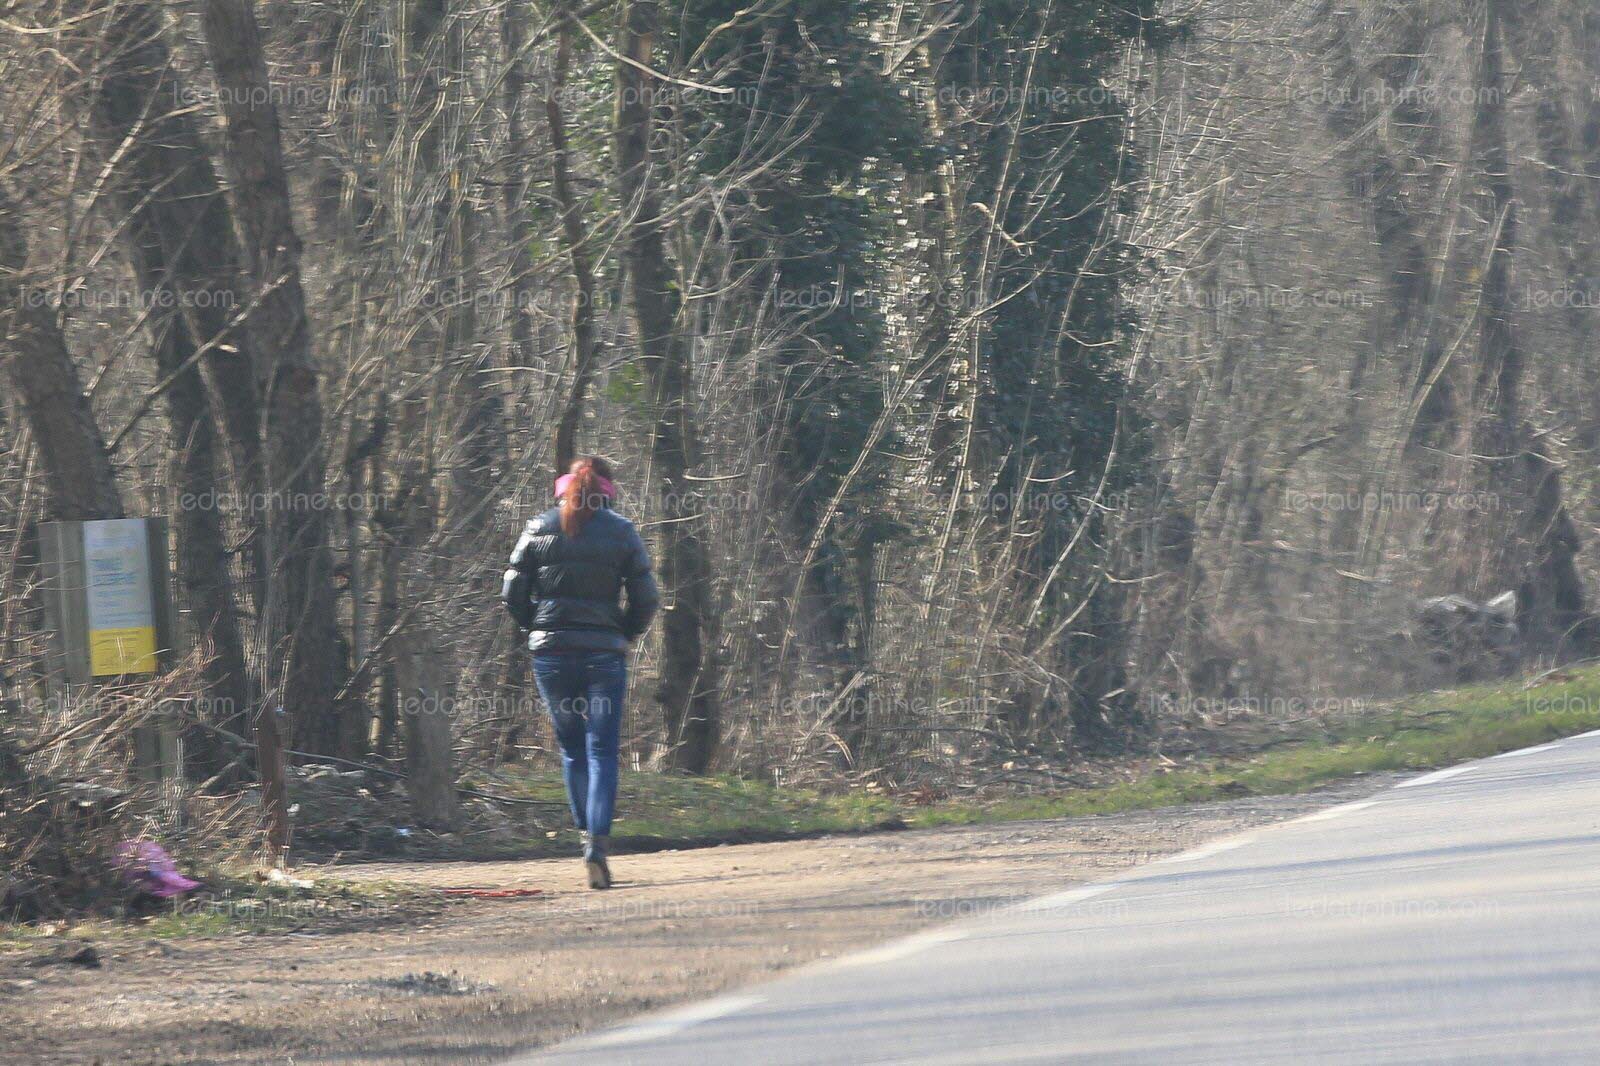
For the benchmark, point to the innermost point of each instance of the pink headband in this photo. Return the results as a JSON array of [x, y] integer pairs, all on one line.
[[607, 489]]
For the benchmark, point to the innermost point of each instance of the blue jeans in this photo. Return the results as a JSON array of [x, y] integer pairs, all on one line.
[[584, 691]]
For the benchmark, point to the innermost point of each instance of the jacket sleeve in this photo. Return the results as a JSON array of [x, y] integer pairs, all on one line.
[[644, 599], [520, 586]]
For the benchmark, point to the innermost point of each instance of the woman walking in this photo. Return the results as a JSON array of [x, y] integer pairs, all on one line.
[[569, 574]]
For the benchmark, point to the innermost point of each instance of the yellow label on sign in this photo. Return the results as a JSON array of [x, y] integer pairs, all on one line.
[[122, 651]]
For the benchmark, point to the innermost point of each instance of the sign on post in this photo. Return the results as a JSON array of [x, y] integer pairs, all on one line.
[[121, 603], [107, 597], [108, 603]]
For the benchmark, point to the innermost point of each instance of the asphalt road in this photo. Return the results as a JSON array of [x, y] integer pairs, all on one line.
[[1454, 918]]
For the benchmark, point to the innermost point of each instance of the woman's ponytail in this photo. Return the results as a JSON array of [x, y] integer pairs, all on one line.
[[583, 492]]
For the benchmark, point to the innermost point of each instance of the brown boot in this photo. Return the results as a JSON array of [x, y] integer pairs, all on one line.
[[594, 861]]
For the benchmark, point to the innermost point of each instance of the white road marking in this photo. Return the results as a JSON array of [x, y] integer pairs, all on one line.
[[1065, 899], [1437, 775], [1209, 850], [1335, 812], [672, 1022], [1590, 733], [1525, 751], [901, 949]]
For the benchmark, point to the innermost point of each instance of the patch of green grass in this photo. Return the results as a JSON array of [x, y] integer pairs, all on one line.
[[1418, 733], [677, 808], [19, 937]]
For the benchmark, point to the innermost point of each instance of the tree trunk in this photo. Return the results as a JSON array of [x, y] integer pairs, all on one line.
[[1568, 173], [387, 561], [585, 340], [77, 465], [164, 184], [1539, 558], [480, 437], [302, 627], [423, 672], [689, 682], [203, 557], [514, 17], [1378, 181]]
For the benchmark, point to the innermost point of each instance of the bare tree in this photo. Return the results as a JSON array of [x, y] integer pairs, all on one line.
[[688, 686], [300, 621]]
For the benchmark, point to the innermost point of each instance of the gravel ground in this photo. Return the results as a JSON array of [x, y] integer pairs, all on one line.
[[474, 981]]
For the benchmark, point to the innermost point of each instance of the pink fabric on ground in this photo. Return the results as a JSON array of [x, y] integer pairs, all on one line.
[[147, 866]]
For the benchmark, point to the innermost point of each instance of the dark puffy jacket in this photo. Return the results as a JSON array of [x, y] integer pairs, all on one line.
[[568, 590]]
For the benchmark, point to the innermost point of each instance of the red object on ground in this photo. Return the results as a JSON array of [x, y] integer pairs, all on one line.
[[491, 893]]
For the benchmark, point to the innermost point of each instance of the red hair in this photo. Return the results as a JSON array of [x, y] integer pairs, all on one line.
[[587, 486]]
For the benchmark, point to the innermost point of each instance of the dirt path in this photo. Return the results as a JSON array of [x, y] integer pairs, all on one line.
[[527, 972]]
